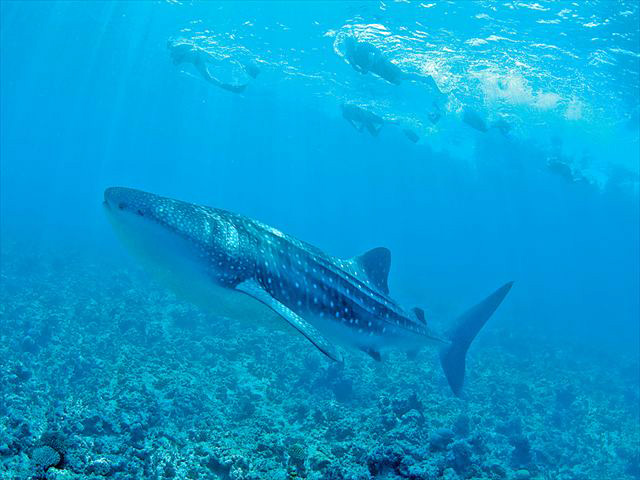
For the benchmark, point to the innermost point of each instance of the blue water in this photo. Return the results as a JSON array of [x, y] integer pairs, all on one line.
[[142, 384]]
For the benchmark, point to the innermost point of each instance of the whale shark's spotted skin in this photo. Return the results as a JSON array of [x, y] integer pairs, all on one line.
[[329, 300], [326, 291]]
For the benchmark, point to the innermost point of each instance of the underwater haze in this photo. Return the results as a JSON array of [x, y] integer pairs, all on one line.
[[481, 142]]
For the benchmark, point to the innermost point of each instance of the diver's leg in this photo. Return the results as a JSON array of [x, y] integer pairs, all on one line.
[[426, 79], [232, 88]]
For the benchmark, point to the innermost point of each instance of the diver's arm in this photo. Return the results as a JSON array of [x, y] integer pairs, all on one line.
[[232, 88]]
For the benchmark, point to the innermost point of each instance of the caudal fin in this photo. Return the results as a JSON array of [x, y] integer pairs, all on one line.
[[465, 329]]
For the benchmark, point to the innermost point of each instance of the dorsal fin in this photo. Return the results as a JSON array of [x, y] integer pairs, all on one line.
[[420, 314], [376, 264]]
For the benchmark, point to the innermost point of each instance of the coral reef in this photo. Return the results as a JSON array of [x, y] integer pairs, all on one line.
[[107, 375], [45, 457]]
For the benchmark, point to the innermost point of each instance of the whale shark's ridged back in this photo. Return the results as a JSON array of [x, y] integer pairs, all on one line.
[[360, 281]]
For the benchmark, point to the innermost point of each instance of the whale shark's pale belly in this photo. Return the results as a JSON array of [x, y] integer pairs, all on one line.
[[174, 263]]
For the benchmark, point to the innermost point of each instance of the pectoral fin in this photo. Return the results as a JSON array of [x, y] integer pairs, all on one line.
[[255, 290], [373, 353]]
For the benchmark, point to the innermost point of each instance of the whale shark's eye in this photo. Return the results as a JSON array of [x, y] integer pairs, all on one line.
[[141, 213], [122, 205]]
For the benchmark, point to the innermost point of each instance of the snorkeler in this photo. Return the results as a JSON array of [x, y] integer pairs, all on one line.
[[411, 135], [563, 168], [503, 127], [560, 164], [186, 52], [360, 118], [365, 57], [475, 121]]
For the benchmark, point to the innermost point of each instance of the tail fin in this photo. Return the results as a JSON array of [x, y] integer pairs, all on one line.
[[453, 356]]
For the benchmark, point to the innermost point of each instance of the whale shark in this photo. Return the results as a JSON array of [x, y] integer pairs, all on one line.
[[245, 269]]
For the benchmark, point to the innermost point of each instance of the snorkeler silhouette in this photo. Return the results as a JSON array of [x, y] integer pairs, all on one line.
[[475, 121], [411, 135], [563, 168], [186, 52], [560, 164], [360, 118], [365, 57]]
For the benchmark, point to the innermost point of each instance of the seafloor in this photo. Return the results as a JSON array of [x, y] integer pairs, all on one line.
[[105, 374]]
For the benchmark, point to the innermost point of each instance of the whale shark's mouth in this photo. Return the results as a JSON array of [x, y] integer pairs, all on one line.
[[111, 196], [129, 200], [171, 256], [163, 248]]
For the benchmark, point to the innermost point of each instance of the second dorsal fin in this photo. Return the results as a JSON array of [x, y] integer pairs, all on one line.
[[376, 264]]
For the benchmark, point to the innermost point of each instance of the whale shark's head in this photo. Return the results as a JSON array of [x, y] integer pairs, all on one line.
[[156, 228], [136, 210], [128, 201], [195, 250], [175, 239]]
